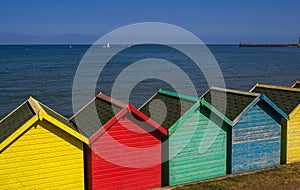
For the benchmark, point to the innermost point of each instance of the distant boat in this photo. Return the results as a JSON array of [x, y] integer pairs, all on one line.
[[70, 46], [106, 46]]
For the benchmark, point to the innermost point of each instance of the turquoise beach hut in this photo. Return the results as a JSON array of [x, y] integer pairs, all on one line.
[[196, 146], [254, 139]]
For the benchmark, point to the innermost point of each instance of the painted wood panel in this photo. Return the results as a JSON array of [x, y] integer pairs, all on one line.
[[119, 157], [293, 139], [197, 160], [44, 157], [256, 140]]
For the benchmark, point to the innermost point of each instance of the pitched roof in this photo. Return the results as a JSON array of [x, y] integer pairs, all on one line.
[[236, 101], [28, 113], [129, 111], [96, 113], [287, 99], [296, 84], [172, 104], [15, 120]]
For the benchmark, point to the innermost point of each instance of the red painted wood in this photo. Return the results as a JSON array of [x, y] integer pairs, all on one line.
[[119, 156]]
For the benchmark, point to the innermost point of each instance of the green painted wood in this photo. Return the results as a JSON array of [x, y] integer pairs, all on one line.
[[194, 162], [283, 150]]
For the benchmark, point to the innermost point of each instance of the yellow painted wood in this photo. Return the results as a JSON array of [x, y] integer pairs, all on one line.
[[64, 127], [52, 159], [17, 133], [293, 136]]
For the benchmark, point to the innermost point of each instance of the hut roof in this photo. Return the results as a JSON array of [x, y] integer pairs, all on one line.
[[167, 107], [296, 84], [287, 99], [237, 101], [28, 113], [15, 120], [96, 113], [132, 111]]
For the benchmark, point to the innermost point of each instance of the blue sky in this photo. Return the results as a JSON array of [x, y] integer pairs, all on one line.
[[213, 21]]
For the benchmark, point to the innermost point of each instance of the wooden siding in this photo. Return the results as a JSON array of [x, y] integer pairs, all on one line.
[[190, 164], [293, 139], [256, 140], [44, 157], [107, 174]]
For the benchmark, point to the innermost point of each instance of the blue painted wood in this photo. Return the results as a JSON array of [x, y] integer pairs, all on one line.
[[256, 139]]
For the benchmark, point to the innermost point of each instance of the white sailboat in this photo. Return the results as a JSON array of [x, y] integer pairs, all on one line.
[[106, 46]]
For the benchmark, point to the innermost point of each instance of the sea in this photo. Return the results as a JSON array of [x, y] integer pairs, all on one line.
[[47, 72]]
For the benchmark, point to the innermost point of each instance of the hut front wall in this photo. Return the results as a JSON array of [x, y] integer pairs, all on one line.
[[293, 139], [126, 157], [203, 149], [256, 140], [44, 157]]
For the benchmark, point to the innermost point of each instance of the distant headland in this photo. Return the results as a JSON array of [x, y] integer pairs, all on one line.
[[270, 45]]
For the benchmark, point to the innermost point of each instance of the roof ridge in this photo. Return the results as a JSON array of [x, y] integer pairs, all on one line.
[[53, 111], [82, 108], [276, 87], [13, 111], [295, 83], [35, 105], [112, 100], [178, 95], [235, 91]]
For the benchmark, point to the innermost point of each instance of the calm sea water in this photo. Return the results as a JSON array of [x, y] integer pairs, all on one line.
[[46, 72]]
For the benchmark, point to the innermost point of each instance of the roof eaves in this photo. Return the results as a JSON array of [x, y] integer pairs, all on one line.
[[296, 82], [274, 106], [173, 128], [275, 87], [13, 111], [42, 114], [216, 112], [112, 100], [82, 109], [147, 119], [150, 99], [178, 95], [257, 99], [36, 107], [67, 129], [235, 91], [294, 112], [18, 132], [108, 124]]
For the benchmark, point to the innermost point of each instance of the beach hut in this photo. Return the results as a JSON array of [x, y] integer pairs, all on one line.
[[288, 99], [296, 84], [39, 149], [255, 136], [125, 145], [196, 146]]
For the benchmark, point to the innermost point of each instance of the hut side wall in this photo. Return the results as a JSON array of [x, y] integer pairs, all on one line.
[[127, 157], [44, 157], [256, 139], [293, 139], [204, 155]]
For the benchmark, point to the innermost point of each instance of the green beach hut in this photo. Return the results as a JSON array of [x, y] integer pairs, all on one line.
[[196, 146]]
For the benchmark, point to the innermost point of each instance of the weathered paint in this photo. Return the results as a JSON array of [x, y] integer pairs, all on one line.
[[199, 159], [126, 157], [293, 138], [256, 139], [43, 157]]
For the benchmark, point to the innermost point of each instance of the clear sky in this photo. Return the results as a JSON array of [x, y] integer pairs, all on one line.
[[213, 21]]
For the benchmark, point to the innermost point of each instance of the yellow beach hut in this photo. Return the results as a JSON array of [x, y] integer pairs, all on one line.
[[39, 149], [288, 100]]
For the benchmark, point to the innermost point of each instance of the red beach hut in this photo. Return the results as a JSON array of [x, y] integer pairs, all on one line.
[[125, 150]]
